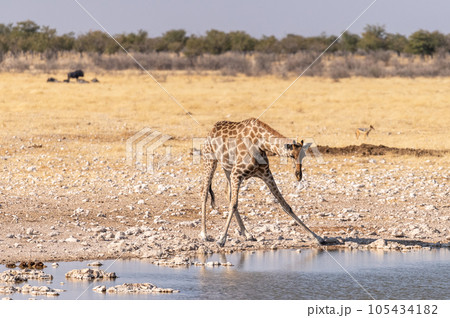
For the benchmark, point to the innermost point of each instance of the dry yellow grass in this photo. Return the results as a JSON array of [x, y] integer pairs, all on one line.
[[405, 112]]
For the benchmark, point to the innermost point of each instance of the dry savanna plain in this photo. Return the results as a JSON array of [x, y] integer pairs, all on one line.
[[68, 193]]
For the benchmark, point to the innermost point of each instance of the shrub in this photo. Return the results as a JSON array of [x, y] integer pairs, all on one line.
[[338, 69], [299, 62], [264, 63]]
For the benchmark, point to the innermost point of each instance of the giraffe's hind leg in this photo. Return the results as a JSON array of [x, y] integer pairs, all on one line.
[[242, 230], [210, 168]]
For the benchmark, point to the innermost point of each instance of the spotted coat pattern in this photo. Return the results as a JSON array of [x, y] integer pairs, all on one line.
[[242, 148]]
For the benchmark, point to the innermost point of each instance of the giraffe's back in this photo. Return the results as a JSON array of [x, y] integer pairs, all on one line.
[[251, 128], [228, 129], [231, 141]]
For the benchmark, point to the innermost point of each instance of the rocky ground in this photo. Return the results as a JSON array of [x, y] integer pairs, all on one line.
[[136, 288], [69, 208]]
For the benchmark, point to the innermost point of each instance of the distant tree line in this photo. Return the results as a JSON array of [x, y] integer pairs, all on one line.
[[29, 37]]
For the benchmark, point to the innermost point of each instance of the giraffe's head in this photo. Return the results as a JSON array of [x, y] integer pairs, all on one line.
[[294, 151]]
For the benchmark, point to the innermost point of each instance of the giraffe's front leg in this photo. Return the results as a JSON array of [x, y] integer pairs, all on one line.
[[243, 231], [270, 182]]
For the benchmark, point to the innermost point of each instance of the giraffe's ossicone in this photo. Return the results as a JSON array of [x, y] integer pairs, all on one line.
[[241, 148]]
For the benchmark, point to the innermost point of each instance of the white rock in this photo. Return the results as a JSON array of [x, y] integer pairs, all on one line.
[[180, 260], [161, 189], [270, 200], [96, 264], [72, 239], [397, 233], [90, 274], [227, 264], [137, 288], [415, 232], [99, 229], [78, 210], [132, 231], [99, 289], [158, 220], [120, 236], [189, 223], [30, 231], [380, 243]]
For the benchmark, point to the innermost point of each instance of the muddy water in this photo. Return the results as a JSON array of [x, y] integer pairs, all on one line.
[[283, 274]]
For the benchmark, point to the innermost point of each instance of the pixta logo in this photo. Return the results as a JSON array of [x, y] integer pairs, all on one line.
[[141, 149]]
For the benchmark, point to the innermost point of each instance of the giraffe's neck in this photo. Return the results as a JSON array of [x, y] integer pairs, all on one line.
[[272, 141], [276, 145]]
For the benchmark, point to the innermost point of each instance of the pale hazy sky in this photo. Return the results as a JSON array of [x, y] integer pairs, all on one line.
[[257, 17]]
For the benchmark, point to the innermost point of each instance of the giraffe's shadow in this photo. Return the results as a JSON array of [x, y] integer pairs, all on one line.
[[365, 242]]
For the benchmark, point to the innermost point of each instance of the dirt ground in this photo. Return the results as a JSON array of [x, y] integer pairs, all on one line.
[[68, 193], [102, 209]]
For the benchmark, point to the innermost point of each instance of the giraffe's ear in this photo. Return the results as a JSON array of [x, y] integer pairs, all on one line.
[[298, 145], [288, 146]]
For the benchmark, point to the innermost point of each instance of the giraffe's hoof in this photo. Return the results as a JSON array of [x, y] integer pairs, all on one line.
[[320, 240], [247, 235], [250, 237], [205, 238], [221, 242]]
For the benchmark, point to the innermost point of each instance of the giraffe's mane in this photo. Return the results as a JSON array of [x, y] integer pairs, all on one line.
[[266, 127]]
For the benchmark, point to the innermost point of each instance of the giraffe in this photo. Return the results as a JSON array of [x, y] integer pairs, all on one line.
[[241, 148]]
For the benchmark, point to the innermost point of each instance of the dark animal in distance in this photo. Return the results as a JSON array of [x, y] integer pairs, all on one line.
[[52, 80], [75, 74]]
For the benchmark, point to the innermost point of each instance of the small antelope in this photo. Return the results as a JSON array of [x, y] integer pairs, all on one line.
[[364, 131]]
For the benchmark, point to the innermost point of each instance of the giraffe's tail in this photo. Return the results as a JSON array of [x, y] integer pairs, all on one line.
[[213, 197]]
